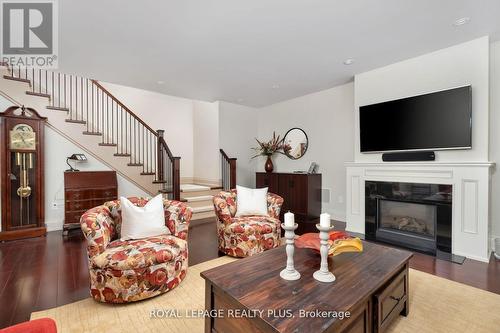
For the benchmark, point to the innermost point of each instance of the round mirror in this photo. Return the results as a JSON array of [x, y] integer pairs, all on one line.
[[295, 143]]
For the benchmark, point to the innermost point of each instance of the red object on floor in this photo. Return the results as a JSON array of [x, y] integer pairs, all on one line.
[[42, 325]]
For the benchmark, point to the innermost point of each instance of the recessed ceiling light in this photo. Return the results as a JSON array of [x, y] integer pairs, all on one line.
[[348, 61], [160, 82], [275, 86], [461, 21]]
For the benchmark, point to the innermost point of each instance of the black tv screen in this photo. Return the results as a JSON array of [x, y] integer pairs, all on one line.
[[439, 120]]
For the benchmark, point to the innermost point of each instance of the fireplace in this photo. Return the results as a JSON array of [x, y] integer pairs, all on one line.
[[412, 215]]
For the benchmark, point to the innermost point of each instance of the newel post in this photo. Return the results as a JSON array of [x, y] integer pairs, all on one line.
[[159, 156], [232, 171], [176, 177]]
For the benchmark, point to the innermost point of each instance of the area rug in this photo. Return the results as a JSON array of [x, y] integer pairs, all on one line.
[[436, 305]]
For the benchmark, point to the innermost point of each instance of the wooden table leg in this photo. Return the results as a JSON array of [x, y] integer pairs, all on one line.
[[209, 305], [406, 309]]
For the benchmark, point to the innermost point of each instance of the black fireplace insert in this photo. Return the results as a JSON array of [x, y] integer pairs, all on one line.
[[412, 215]]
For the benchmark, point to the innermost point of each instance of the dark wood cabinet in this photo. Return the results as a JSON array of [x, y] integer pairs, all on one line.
[[84, 190], [301, 193]]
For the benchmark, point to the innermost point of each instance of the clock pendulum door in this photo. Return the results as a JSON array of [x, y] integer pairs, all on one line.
[[22, 181]]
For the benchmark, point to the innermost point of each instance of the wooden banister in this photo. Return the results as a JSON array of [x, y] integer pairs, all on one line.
[[228, 171], [89, 103], [97, 84]]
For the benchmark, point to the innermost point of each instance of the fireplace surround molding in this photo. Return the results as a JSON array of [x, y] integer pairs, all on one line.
[[470, 206]]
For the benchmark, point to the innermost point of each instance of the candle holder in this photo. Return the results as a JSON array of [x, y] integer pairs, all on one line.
[[323, 274], [290, 273]]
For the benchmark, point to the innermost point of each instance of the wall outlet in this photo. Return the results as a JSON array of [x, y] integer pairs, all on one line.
[[340, 199], [57, 205]]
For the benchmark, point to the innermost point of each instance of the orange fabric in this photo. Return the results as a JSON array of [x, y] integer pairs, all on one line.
[[42, 325], [340, 242]]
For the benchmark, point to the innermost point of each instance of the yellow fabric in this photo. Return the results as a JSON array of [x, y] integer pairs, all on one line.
[[345, 245], [437, 305]]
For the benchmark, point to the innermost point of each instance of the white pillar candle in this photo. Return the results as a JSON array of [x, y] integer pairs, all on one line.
[[289, 219], [324, 220]]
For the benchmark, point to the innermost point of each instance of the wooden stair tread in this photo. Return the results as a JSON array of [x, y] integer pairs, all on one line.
[[57, 108], [91, 133], [76, 121], [32, 93], [148, 173], [135, 164], [121, 155], [107, 144], [194, 188], [8, 77], [160, 181]]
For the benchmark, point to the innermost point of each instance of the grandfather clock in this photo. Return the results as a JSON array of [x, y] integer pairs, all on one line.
[[21, 171]]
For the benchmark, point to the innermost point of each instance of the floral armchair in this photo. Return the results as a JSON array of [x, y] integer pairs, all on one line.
[[127, 271], [246, 235]]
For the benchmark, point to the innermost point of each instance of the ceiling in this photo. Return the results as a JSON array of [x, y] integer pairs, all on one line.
[[256, 52]]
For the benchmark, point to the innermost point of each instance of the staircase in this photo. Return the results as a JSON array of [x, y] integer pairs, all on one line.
[[88, 115], [199, 198]]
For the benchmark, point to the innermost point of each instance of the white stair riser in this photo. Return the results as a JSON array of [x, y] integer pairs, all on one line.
[[197, 204], [199, 198]]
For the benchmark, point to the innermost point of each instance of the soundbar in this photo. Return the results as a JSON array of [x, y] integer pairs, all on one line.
[[409, 156]]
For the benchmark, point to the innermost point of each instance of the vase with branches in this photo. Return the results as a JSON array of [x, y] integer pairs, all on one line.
[[269, 148]]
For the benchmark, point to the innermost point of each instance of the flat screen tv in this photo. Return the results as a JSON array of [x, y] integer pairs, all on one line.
[[434, 121]]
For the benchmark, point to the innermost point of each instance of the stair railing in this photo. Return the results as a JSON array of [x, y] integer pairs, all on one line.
[[168, 169], [228, 171], [88, 103]]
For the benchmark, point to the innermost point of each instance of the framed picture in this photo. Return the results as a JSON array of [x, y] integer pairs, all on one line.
[[313, 168]]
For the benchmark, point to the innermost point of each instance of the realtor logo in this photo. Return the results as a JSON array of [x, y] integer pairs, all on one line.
[[29, 33]]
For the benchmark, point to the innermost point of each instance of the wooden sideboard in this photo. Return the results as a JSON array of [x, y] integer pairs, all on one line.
[[301, 193], [84, 190]]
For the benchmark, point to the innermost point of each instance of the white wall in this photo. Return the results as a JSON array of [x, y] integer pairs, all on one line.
[[57, 148], [206, 168], [458, 65], [159, 111], [495, 137], [327, 117], [237, 130]]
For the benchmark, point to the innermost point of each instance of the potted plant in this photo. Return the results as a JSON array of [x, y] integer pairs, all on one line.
[[268, 149]]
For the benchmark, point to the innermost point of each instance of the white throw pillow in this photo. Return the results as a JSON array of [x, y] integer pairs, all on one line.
[[142, 222], [251, 201]]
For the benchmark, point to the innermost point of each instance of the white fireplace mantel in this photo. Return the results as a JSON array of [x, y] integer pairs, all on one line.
[[470, 206]]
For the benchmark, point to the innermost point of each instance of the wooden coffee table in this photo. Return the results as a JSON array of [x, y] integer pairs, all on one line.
[[249, 295]]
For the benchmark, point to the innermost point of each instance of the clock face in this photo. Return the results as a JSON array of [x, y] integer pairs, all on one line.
[[22, 137]]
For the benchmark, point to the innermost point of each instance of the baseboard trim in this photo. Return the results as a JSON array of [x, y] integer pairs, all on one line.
[[477, 258]]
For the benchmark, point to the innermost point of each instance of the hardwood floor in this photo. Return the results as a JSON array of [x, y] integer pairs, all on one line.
[[45, 272]]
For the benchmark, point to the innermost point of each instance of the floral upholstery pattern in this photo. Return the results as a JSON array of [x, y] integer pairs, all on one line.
[[127, 271], [246, 235], [141, 253]]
